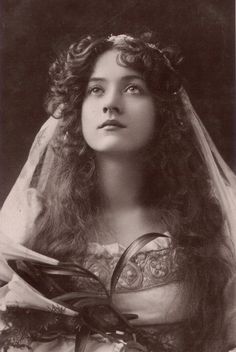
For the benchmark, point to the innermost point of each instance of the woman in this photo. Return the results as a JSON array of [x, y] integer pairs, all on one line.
[[125, 163]]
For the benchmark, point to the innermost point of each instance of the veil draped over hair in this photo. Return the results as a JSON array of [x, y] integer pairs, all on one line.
[[23, 205]]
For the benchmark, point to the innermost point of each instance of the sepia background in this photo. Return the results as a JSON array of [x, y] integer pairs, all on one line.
[[34, 31]]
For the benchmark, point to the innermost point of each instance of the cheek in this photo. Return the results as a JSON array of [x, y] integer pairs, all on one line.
[[90, 113], [146, 120], [146, 130], [87, 122]]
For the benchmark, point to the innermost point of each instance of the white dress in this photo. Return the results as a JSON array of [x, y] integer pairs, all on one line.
[[149, 287]]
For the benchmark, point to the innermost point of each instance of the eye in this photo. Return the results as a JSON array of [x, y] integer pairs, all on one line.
[[133, 89], [96, 90]]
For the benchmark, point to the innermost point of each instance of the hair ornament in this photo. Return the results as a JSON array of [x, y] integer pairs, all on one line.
[[41, 163], [118, 39], [168, 55]]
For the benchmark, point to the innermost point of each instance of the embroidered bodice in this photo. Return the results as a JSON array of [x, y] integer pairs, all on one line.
[[157, 264], [149, 287]]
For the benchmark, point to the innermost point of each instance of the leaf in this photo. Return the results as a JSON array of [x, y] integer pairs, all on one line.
[[133, 248]]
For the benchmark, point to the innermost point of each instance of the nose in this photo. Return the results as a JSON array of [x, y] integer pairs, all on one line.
[[111, 109], [112, 103]]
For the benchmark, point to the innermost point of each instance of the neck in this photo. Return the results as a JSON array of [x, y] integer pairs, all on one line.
[[120, 180]]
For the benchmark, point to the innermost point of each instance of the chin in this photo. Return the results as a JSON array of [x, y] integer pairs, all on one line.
[[112, 151], [116, 147]]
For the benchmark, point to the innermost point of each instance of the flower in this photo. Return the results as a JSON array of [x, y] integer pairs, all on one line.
[[18, 293]]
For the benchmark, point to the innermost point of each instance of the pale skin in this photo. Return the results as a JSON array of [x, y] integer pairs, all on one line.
[[111, 95], [120, 93], [120, 183], [117, 93]]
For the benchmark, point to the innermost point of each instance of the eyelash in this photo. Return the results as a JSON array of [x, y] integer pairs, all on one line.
[[92, 90], [96, 90], [136, 87]]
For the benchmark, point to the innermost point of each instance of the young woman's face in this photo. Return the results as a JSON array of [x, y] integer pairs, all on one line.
[[118, 114]]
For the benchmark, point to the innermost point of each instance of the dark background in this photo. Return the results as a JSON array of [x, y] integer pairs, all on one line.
[[33, 31]]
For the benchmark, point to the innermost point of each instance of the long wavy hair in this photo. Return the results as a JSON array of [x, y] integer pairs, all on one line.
[[178, 183]]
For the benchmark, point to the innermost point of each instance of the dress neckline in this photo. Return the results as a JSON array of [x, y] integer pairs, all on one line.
[[117, 248]]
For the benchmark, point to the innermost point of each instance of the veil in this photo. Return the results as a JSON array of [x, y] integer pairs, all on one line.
[[223, 180], [23, 205]]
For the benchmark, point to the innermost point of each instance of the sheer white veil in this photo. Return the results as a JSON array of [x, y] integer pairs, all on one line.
[[223, 180], [23, 205]]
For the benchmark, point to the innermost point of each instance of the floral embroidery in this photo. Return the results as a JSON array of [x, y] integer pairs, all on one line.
[[146, 269]]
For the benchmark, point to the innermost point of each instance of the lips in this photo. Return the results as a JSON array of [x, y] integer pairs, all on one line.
[[112, 123]]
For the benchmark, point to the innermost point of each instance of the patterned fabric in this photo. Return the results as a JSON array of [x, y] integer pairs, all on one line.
[[158, 264]]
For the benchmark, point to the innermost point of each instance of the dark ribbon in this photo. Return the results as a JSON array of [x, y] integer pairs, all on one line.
[[87, 303]]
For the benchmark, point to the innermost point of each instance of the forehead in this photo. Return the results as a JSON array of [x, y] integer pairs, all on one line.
[[107, 66]]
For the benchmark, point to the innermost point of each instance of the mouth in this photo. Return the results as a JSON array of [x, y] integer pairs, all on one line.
[[112, 123]]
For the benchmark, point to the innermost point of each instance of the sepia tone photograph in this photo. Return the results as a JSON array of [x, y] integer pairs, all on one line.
[[117, 176]]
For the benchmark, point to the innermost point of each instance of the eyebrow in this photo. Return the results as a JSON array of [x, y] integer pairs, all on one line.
[[123, 78]]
